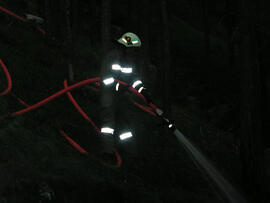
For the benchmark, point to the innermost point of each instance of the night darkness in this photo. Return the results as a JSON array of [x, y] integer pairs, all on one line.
[[198, 120]]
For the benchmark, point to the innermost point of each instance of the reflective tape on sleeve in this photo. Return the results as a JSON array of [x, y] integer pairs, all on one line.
[[136, 83], [122, 69], [107, 130], [108, 81], [140, 89], [116, 67], [117, 86], [125, 136], [124, 40], [126, 70]]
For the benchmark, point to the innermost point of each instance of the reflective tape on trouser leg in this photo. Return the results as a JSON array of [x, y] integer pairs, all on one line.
[[125, 136], [126, 70], [116, 67], [107, 130], [107, 140]]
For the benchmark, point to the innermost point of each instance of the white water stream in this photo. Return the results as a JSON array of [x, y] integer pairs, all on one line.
[[223, 187]]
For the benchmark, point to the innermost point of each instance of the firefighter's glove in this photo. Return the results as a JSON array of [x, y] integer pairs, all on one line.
[[147, 96], [165, 121], [159, 112]]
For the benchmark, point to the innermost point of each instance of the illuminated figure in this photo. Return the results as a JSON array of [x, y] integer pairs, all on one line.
[[118, 64]]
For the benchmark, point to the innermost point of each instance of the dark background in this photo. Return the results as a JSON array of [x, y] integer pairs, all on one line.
[[206, 64]]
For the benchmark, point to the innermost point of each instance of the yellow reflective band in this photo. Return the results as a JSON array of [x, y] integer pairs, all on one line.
[[136, 83], [117, 86], [107, 130], [140, 89], [126, 70], [125, 135], [116, 67], [108, 81]]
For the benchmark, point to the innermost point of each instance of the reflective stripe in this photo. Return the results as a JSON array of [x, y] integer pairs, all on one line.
[[141, 88], [124, 40], [126, 70], [35, 18], [136, 83], [170, 125], [123, 70], [108, 81], [116, 67], [135, 41], [107, 130], [125, 135], [117, 86]]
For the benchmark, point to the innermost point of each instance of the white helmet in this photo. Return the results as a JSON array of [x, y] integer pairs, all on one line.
[[130, 39]]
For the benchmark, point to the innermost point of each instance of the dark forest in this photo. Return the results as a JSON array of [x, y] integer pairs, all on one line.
[[196, 116]]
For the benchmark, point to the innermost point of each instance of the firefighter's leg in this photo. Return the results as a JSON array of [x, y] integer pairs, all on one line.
[[107, 136], [125, 131]]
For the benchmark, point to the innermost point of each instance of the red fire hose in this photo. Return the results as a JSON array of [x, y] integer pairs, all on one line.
[[67, 91], [20, 19], [76, 105], [12, 14], [55, 95], [9, 81], [72, 142], [79, 109]]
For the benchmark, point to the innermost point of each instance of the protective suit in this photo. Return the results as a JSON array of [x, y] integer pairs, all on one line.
[[118, 64]]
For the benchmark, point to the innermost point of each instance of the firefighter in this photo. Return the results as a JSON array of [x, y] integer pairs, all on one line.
[[118, 64]]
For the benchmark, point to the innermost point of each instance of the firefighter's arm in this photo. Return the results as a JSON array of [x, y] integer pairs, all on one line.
[[146, 95], [139, 86], [107, 73]]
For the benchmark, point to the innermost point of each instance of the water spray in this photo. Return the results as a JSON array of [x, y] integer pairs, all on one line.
[[221, 186]]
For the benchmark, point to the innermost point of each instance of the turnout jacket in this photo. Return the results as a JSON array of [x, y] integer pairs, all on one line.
[[116, 66]]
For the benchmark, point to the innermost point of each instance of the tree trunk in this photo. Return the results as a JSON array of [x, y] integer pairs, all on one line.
[[207, 67], [58, 19], [144, 32], [206, 31], [250, 112], [69, 40], [74, 17], [230, 27], [265, 73], [164, 70], [166, 58], [54, 18], [132, 13], [105, 24], [41, 8], [47, 17]]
